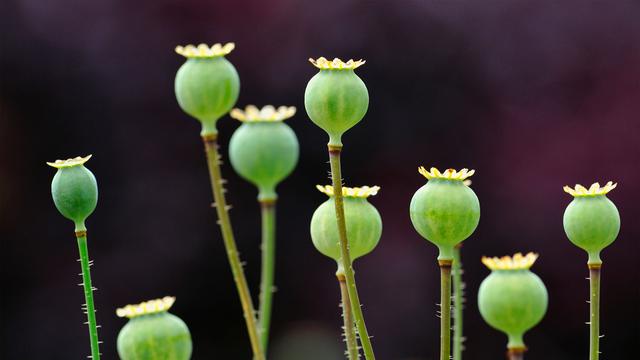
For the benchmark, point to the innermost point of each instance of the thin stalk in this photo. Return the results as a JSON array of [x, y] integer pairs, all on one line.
[[349, 325], [268, 211], [515, 354], [213, 162], [89, 307], [458, 303], [594, 321], [336, 177], [445, 309]]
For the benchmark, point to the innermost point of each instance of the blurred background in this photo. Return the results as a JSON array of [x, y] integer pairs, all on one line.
[[534, 95]]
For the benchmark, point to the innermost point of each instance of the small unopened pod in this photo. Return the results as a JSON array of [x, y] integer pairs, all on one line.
[[364, 225], [207, 84], [152, 333], [512, 299], [264, 150], [336, 98], [445, 210], [74, 190], [591, 220]]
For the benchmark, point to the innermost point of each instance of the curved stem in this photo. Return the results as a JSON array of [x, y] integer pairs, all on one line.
[[594, 320], [336, 178], [89, 307], [349, 325], [213, 162], [458, 303], [268, 211], [445, 309], [515, 354]]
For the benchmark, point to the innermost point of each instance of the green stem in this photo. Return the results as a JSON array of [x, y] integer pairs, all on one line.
[[349, 325], [268, 210], [458, 303], [594, 321], [445, 309], [213, 162], [336, 177], [89, 308]]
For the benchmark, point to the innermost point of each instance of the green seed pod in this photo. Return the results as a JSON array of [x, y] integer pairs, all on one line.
[[207, 85], [336, 98], [591, 220], [512, 299], [445, 210], [152, 333], [74, 190], [364, 225], [264, 150]]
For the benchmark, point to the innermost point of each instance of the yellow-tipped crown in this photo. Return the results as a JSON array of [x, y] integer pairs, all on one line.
[[59, 164], [593, 190], [268, 113], [517, 262], [205, 51], [449, 174], [356, 192], [147, 307], [323, 64]]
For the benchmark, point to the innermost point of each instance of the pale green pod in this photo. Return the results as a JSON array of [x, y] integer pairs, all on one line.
[[336, 99], [74, 190], [445, 210], [264, 150], [512, 299], [364, 224], [591, 221], [207, 85], [152, 333]]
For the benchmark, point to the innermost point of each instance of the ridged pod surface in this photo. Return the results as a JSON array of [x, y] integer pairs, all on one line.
[[445, 212], [74, 190], [364, 228], [264, 153], [513, 301], [161, 336]]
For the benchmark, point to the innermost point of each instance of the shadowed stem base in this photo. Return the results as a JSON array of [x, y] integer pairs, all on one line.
[[458, 303], [594, 311], [347, 315], [268, 212], [89, 307], [445, 309], [516, 354], [336, 179], [213, 162]]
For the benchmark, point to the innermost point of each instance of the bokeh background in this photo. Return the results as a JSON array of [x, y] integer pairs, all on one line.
[[532, 94]]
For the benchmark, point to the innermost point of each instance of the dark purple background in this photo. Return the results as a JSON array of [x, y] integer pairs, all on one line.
[[532, 94]]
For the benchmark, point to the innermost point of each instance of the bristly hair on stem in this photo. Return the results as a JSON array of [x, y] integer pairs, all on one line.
[[594, 311], [336, 179], [350, 337], [458, 303], [89, 307], [213, 162], [268, 213], [445, 309]]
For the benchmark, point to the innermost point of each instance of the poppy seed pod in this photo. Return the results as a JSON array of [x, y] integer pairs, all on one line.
[[207, 84], [152, 333], [74, 190], [264, 150], [445, 210], [591, 221], [512, 299], [336, 99], [364, 225]]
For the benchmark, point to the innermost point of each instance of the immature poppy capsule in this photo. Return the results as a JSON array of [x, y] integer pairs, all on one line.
[[74, 190], [364, 225], [512, 299], [591, 220], [445, 210], [152, 333], [207, 84], [336, 99], [264, 150]]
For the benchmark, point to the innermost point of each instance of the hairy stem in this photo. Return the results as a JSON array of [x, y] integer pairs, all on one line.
[[213, 161], [458, 303], [594, 320], [336, 177], [89, 307], [268, 210], [349, 325], [515, 354], [445, 309]]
